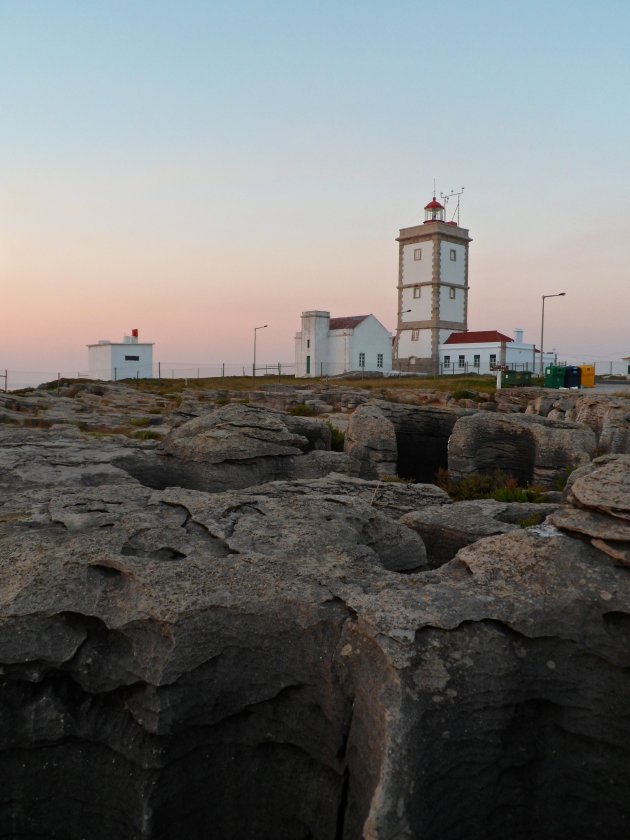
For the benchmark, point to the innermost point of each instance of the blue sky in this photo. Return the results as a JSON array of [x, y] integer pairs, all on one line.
[[194, 169]]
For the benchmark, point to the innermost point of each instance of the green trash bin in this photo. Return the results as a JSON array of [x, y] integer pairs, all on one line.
[[508, 378], [554, 376], [523, 377]]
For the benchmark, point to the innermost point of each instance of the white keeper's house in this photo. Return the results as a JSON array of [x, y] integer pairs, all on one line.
[[126, 359], [328, 346], [483, 351]]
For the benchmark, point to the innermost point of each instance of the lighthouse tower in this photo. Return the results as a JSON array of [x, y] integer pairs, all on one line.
[[432, 289]]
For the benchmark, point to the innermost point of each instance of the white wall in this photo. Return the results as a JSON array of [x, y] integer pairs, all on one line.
[[334, 352], [452, 271], [421, 348], [371, 338], [109, 362], [451, 309], [420, 307], [417, 271]]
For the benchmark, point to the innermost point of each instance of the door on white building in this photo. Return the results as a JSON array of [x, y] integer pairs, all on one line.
[[308, 364]]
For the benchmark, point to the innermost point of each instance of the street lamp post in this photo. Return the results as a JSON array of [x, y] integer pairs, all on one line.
[[542, 327], [264, 326]]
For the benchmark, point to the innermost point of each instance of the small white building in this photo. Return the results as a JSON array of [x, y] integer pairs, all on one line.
[[127, 359], [482, 351], [328, 346]]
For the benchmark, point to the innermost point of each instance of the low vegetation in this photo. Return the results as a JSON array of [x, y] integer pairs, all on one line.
[[496, 485]]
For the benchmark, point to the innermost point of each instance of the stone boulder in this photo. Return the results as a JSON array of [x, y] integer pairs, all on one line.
[[371, 444], [239, 446], [532, 449], [445, 531], [598, 498]]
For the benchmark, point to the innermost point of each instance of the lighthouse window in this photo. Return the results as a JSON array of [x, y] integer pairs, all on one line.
[[361, 360], [379, 360], [451, 294], [415, 335], [416, 291], [132, 358], [447, 361], [417, 254], [461, 361], [453, 254], [477, 361]]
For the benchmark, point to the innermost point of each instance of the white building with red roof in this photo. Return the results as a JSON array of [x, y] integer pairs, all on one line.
[[483, 351], [328, 346]]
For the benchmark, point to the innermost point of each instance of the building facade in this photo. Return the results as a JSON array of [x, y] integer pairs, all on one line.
[[483, 351], [127, 359], [432, 289], [328, 346]]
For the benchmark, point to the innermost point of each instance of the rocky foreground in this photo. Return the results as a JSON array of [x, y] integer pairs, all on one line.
[[213, 626]]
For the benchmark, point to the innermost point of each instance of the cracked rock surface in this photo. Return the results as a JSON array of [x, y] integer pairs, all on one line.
[[278, 661]]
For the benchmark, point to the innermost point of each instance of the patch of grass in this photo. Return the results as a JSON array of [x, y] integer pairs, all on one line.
[[561, 478], [140, 421], [301, 410], [532, 519], [337, 438], [395, 479], [496, 485], [146, 434], [463, 394]]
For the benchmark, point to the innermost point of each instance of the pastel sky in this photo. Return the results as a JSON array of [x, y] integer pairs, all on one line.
[[195, 169]]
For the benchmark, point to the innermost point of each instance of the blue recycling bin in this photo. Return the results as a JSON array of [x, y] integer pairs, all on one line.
[[572, 377]]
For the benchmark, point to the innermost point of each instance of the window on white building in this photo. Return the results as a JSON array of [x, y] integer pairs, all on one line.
[[415, 335], [477, 361], [461, 361], [361, 360], [416, 291], [132, 358], [453, 254], [493, 359], [379, 360], [451, 294], [308, 343], [447, 361], [417, 254]]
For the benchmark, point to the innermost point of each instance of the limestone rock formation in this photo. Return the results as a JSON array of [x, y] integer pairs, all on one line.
[[445, 531], [239, 446], [598, 496], [371, 444], [533, 449], [277, 662]]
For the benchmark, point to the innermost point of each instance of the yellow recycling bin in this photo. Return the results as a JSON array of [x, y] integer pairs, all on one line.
[[587, 379]]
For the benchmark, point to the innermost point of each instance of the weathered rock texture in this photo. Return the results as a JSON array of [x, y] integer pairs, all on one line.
[[598, 496], [444, 532], [533, 449], [273, 663]]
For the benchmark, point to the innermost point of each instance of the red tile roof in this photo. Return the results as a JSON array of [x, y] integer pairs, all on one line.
[[477, 337], [347, 323]]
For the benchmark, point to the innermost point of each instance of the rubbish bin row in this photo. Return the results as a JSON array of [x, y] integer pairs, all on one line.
[[569, 376]]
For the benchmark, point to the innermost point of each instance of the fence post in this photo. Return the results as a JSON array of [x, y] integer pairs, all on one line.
[[222, 370], [159, 370]]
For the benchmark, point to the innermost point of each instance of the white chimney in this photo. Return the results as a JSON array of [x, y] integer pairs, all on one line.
[[518, 335]]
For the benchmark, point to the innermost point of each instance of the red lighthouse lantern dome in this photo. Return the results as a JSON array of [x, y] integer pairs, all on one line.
[[433, 211]]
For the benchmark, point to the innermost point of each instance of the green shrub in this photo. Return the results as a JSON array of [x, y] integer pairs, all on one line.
[[532, 519], [301, 410], [146, 434], [496, 485], [337, 438], [140, 421]]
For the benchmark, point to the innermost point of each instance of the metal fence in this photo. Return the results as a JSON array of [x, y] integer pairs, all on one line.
[[13, 380]]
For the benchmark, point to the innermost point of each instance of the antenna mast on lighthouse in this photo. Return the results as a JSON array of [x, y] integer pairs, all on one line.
[[445, 199]]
